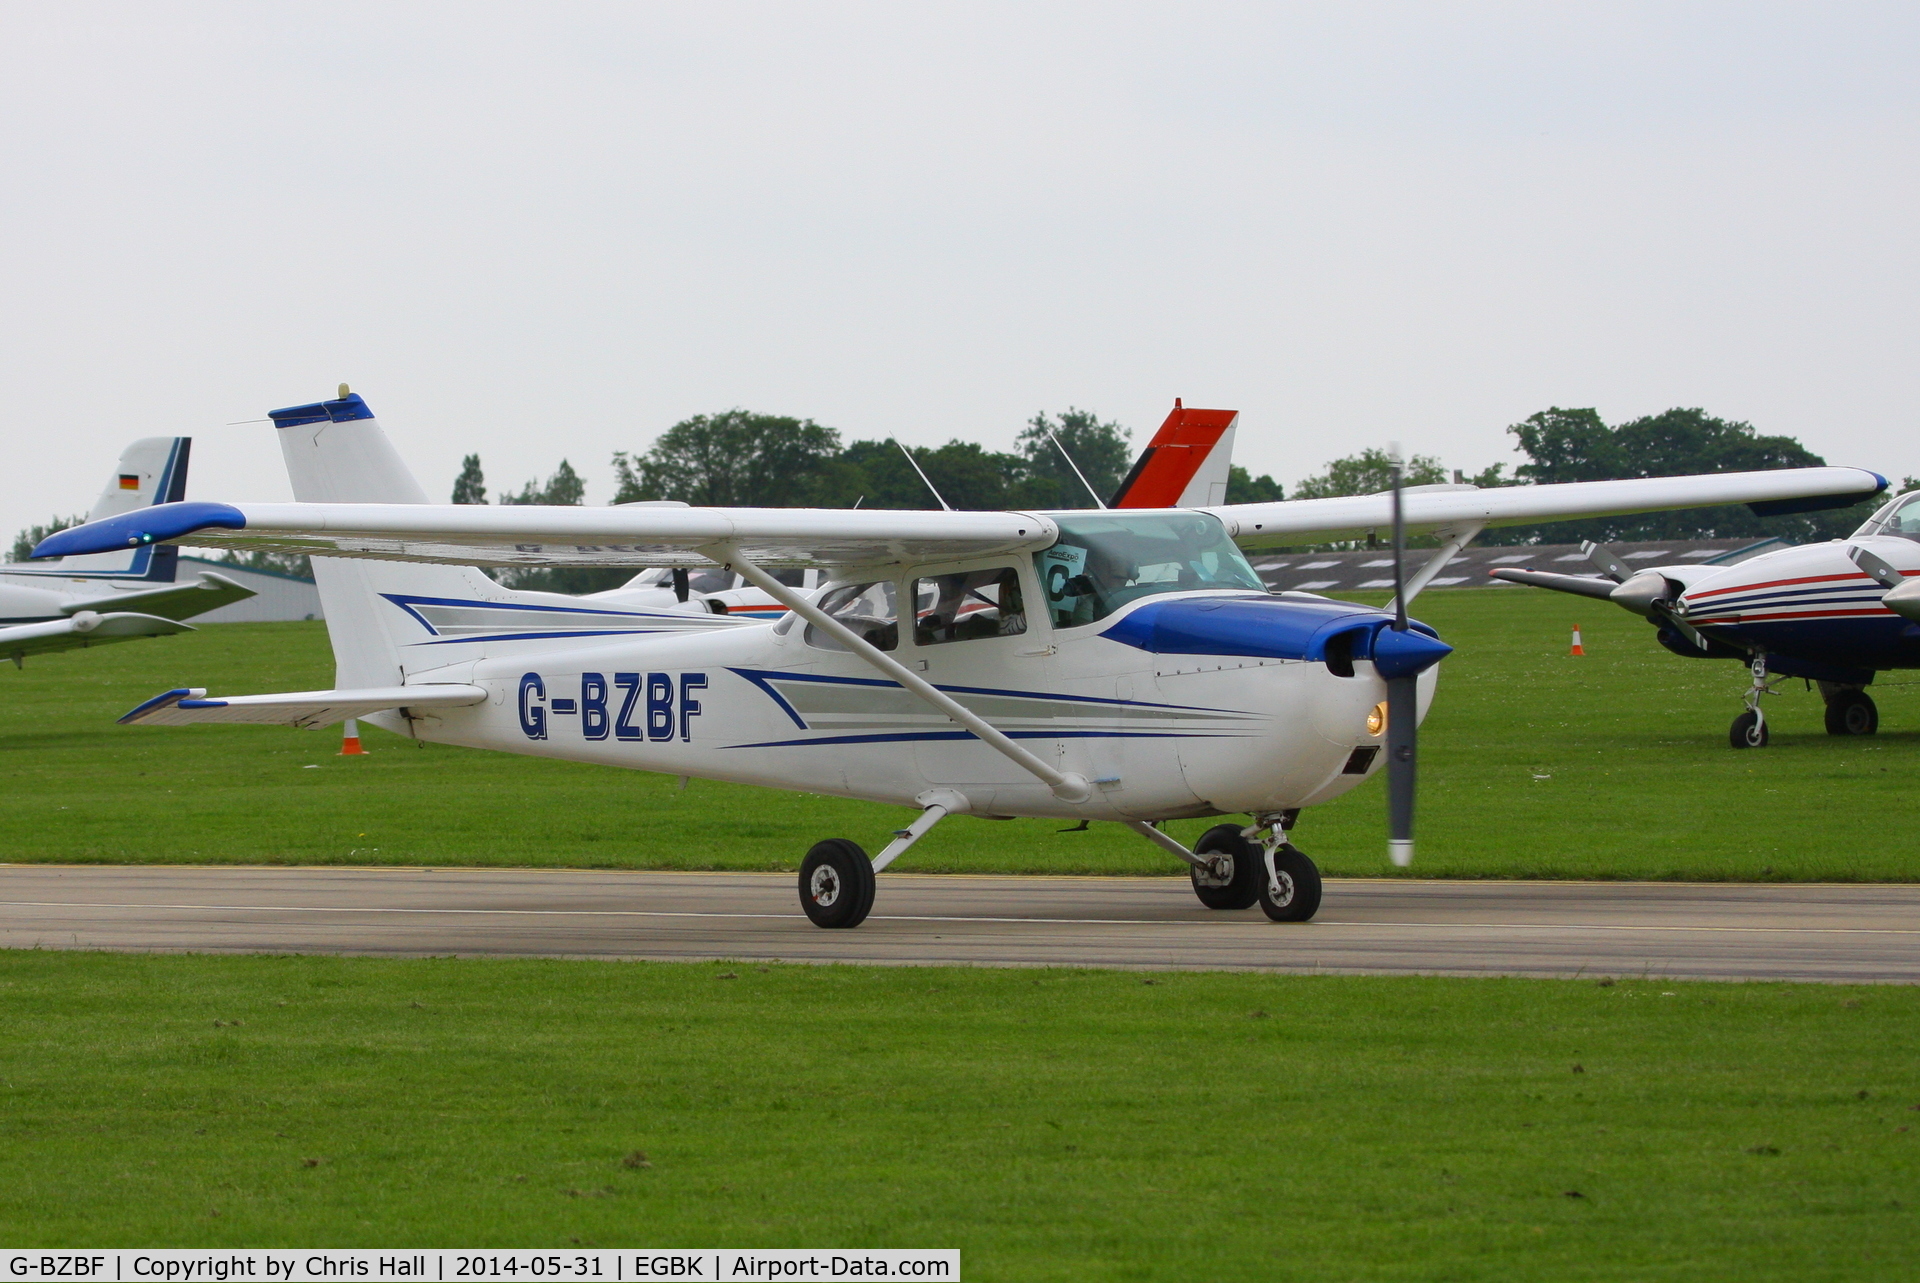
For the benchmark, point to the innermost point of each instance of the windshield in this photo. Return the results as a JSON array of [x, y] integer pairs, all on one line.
[[1901, 517], [1102, 562]]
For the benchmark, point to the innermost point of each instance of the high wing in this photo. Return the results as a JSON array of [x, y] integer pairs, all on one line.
[[511, 535], [83, 630], [654, 535], [181, 601], [298, 708], [1449, 507]]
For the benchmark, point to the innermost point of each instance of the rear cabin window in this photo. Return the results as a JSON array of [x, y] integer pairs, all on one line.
[[867, 609]]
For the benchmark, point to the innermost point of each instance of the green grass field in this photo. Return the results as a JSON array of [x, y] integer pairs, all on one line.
[[1054, 1125], [1534, 764]]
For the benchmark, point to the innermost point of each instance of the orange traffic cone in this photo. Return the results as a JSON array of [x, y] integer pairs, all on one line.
[[350, 743], [1578, 649]]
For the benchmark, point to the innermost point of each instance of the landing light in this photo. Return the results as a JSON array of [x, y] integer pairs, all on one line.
[[1377, 719]]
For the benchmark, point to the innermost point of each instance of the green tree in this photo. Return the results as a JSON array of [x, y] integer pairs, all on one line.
[[735, 459], [875, 473], [26, 540], [471, 485], [564, 489], [1244, 487], [1100, 450], [1369, 472], [1564, 445]]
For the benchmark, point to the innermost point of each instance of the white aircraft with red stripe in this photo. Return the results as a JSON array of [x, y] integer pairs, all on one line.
[[1835, 614], [1121, 665]]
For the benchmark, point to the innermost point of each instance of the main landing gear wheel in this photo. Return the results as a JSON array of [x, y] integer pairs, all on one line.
[[1852, 713], [1748, 731], [1296, 896], [836, 884], [1241, 886]]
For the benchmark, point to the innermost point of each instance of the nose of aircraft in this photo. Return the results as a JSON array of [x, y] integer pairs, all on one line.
[[1405, 654], [1279, 628]]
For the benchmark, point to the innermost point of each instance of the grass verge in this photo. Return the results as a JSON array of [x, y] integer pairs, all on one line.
[[1053, 1125]]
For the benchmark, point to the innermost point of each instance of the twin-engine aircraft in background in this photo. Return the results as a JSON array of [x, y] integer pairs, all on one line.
[[114, 596], [1834, 614], [1119, 665]]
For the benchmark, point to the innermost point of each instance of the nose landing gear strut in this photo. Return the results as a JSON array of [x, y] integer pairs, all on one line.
[[1749, 730]]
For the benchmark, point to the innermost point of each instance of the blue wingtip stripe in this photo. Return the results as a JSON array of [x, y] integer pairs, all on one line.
[[141, 527], [167, 700]]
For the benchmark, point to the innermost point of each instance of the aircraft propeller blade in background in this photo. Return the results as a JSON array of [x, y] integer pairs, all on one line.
[[1903, 595], [1403, 702], [1646, 592]]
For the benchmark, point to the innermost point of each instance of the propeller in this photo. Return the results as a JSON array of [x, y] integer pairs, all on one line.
[[1403, 700], [1647, 593], [1902, 597]]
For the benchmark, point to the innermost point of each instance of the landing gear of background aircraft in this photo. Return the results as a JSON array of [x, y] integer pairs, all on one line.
[[836, 884], [1237, 884], [1749, 730], [1852, 712], [1289, 885]]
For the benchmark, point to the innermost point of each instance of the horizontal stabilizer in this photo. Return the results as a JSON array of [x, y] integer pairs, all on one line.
[[181, 601], [298, 708], [1579, 585], [84, 629]]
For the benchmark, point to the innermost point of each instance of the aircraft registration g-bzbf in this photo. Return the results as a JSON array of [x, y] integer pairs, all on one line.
[[1125, 665]]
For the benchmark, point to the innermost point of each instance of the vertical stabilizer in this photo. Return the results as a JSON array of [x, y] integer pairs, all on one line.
[[336, 452], [1185, 465], [151, 470]]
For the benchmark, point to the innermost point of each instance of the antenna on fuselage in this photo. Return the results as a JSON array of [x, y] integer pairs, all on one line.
[[923, 476], [1098, 502]]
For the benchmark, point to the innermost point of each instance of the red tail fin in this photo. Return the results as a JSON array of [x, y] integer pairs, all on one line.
[[1186, 463]]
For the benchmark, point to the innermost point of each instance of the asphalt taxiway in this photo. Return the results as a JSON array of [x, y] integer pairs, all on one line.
[[1721, 931]]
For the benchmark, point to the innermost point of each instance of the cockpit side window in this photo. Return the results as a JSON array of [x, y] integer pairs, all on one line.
[[1102, 562], [968, 605], [1901, 517]]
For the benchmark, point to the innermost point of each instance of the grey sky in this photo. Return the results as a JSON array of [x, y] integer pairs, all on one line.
[[555, 229]]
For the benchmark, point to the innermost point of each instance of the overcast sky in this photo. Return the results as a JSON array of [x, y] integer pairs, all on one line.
[[536, 230]]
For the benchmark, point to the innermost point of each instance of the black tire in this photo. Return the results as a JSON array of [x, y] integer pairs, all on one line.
[[836, 884], [1242, 886], [1852, 713], [1299, 897], [1748, 731]]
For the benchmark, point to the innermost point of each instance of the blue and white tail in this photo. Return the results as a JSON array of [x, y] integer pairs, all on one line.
[[390, 619], [151, 470]]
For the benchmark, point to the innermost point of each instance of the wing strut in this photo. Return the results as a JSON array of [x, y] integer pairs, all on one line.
[[1065, 785], [1453, 541]]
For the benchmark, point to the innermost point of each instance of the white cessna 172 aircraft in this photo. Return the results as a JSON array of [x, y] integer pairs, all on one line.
[[1127, 666], [119, 595]]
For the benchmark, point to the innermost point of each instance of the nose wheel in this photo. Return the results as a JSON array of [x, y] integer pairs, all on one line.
[[836, 884], [1289, 885], [1749, 730]]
